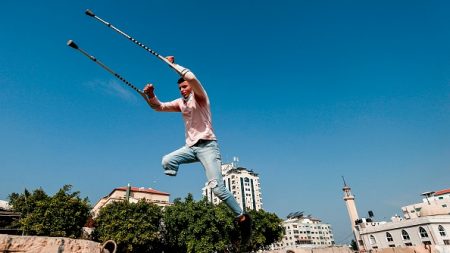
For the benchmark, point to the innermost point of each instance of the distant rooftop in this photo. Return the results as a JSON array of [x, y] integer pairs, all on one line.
[[4, 205], [442, 192], [238, 169], [143, 190], [301, 216]]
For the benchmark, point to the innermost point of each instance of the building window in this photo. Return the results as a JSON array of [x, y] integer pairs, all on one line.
[[423, 232], [405, 235], [408, 244], [389, 237], [446, 242], [372, 240], [360, 242], [441, 230]]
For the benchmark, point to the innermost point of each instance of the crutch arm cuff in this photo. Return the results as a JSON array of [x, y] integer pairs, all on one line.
[[180, 70]]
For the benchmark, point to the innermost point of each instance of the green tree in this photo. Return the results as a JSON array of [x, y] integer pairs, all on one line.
[[25, 202], [191, 226], [133, 226], [267, 228], [354, 245], [63, 214], [198, 226]]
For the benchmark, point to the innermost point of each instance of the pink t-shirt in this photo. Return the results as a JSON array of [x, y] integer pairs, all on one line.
[[195, 110]]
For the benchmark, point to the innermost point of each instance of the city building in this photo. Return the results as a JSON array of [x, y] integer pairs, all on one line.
[[304, 232], [4, 205], [7, 218], [132, 194], [430, 205], [244, 184], [425, 223]]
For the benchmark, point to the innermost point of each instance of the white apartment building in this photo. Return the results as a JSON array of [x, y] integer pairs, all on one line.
[[242, 183], [422, 224], [4, 205], [304, 232]]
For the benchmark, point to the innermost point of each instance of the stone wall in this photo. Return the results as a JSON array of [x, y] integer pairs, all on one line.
[[41, 244]]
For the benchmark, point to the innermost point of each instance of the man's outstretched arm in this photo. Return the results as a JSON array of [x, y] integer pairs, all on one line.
[[187, 75], [155, 104]]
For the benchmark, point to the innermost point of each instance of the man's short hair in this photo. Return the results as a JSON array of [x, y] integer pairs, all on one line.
[[180, 80]]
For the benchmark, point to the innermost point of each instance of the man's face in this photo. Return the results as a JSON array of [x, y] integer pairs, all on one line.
[[185, 89]]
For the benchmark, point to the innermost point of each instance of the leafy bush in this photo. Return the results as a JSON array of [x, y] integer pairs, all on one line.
[[63, 214]]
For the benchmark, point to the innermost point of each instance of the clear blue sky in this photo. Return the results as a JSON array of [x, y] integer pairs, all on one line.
[[303, 92]]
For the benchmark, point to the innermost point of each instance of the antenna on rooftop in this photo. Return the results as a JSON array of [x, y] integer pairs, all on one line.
[[427, 195], [343, 179], [235, 161], [127, 195]]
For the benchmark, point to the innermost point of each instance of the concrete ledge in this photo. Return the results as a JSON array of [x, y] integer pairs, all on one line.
[[41, 244]]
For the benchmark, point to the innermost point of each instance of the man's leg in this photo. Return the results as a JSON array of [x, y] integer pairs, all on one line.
[[209, 155], [172, 161]]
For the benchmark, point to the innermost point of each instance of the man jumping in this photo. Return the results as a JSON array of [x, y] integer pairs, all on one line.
[[201, 142]]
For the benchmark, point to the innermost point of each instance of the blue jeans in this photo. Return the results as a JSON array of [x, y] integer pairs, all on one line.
[[207, 152]]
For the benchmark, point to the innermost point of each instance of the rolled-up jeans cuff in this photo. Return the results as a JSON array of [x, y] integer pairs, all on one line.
[[170, 172]]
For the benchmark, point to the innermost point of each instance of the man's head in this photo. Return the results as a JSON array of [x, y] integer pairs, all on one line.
[[185, 87]]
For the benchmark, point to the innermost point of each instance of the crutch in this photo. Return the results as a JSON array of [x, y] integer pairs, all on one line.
[[72, 44], [162, 58]]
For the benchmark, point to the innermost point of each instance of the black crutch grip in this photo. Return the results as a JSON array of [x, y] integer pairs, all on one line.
[[89, 13], [72, 44]]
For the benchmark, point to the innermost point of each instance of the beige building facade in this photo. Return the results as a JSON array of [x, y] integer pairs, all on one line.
[[133, 195]]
